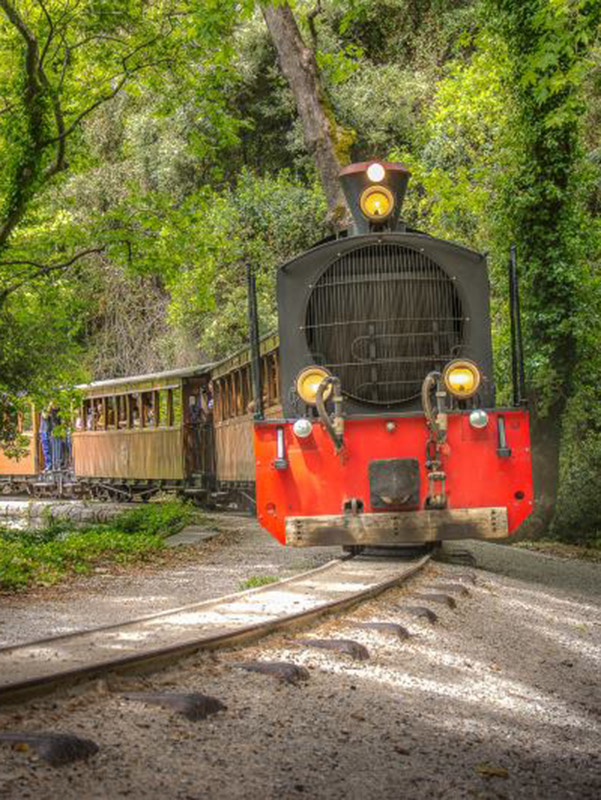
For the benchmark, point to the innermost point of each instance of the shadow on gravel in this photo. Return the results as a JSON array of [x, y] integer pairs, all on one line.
[[578, 577]]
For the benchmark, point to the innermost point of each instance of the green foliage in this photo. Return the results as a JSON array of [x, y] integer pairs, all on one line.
[[49, 555], [262, 221], [255, 581], [155, 518], [579, 503], [60, 64], [548, 47]]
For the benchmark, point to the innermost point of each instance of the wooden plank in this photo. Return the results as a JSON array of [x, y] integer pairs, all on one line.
[[143, 454], [398, 528]]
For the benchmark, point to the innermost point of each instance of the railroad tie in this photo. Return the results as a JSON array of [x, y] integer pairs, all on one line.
[[284, 671], [57, 749], [357, 651], [191, 706]]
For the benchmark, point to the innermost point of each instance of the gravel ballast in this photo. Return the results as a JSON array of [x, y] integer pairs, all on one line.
[[498, 699]]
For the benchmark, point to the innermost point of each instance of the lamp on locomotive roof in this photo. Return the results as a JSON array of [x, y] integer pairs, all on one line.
[[374, 193], [376, 172]]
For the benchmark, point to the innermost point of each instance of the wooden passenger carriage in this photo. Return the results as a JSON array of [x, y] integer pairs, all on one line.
[[135, 435], [188, 430]]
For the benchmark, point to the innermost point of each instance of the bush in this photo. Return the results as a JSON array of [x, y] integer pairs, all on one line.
[[46, 556]]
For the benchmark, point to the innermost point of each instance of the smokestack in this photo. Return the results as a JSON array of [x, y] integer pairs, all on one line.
[[390, 178]]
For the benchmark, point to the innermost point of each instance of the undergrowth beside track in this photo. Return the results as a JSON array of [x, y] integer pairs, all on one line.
[[51, 554], [590, 550]]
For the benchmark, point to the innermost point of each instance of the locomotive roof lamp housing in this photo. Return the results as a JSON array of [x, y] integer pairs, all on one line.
[[374, 192]]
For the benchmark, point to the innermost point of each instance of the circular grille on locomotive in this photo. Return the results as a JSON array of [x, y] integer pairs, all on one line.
[[381, 317]]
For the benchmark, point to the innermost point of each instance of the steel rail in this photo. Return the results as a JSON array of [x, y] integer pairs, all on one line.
[[152, 642]]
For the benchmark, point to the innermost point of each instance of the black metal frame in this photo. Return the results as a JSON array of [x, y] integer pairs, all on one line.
[[517, 348], [253, 331]]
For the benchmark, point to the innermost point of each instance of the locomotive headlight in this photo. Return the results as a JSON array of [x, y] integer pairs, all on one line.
[[376, 172], [302, 428], [377, 203], [307, 384], [462, 378]]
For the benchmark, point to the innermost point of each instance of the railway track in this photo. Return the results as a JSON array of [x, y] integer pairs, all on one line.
[[158, 639]]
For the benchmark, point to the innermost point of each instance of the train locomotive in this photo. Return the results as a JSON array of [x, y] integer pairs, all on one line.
[[389, 434], [368, 419]]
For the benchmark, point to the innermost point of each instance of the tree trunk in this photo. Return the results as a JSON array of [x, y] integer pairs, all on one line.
[[299, 67], [546, 439]]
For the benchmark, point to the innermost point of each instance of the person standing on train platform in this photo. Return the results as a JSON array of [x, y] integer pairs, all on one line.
[[56, 437], [45, 431]]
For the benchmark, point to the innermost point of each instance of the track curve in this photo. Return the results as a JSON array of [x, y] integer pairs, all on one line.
[[149, 642]]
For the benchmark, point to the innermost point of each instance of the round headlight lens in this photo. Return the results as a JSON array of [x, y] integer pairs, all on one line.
[[376, 172], [478, 418], [377, 203], [307, 384], [462, 378], [302, 428]]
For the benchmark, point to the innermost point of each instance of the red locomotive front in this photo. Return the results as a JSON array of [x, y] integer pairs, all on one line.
[[389, 432]]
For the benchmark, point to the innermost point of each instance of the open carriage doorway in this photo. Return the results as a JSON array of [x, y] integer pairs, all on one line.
[[198, 427]]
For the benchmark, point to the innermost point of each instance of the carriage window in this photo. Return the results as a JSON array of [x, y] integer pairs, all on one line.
[[87, 415], [148, 418], [273, 377], [237, 381], [111, 412], [224, 397], [156, 409], [244, 389], [217, 410], [101, 411], [95, 410], [134, 409], [121, 411], [177, 406], [164, 408], [231, 396]]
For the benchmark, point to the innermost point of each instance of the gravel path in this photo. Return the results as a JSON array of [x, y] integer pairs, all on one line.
[[499, 699], [241, 550]]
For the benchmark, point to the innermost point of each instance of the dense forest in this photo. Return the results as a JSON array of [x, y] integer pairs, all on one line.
[[149, 149]]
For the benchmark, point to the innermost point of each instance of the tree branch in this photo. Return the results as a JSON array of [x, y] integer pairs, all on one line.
[[311, 22], [49, 37], [40, 270]]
